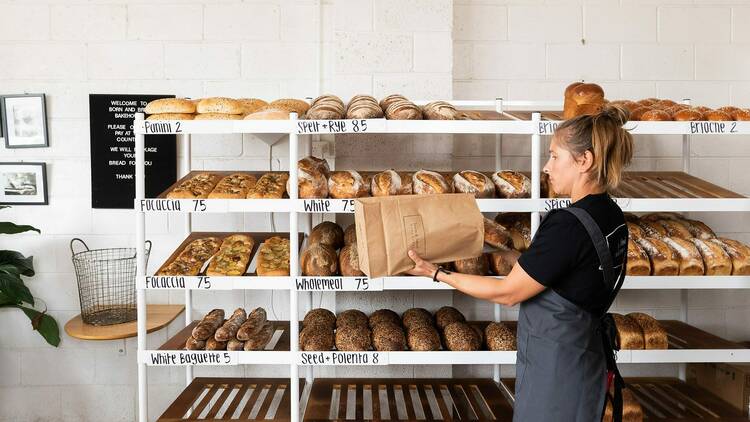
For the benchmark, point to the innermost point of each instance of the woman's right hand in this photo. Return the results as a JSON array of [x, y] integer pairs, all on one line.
[[421, 267]]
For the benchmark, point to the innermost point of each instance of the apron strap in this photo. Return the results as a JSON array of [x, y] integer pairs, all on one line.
[[607, 327]]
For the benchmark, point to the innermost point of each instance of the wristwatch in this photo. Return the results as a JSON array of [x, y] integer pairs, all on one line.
[[439, 269]]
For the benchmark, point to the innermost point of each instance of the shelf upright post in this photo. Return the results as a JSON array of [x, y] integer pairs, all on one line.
[[684, 292], [188, 228], [536, 169], [498, 167], [140, 248], [293, 270]]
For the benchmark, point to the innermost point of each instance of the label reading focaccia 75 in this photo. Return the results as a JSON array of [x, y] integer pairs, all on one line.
[[342, 358], [184, 282], [189, 357], [182, 205], [352, 284]]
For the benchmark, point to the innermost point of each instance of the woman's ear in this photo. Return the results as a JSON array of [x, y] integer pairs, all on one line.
[[586, 162]]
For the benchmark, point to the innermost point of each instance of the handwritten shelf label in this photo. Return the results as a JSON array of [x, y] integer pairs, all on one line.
[[161, 127], [335, 126], [328, 205], [183, 282], [189, 357], [351, 284], [713, 127], [547, 128], [182, 205], [342, 358]]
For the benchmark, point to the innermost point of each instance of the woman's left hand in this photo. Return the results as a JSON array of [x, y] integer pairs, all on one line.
[[421, 267]]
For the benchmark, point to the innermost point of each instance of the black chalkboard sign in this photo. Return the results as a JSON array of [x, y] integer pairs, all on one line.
[[112, 151]]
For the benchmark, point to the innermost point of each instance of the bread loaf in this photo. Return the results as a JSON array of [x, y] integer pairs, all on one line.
[[502, 262], [319, 260], [386, 183], [447, 315], [478, 266], [742, 114], [326, 107], [440, 110], [260, 339], [459, 336], [268, 113], [496, 235], [569, 105], [352, 317], [321, 317], [170, 105], [473, 182], [252, 325], [349, 261], [675, 228], [213, 344], [234, 186], [403, 110], [715, 258], [738, 252], [429, 182], [269, 186], [638, 261], [363, 107], [383, 316], [423, 338], [229, 330], [193, 344], [584, 98], [654, 335], [221, 105], [656, 115], [291, 105], [353, 338], [196, 187], [347, 184], [499, 337], [691, 262], [635, 231], [629, 333], [718, 115], [388, 336], [631, 408], [652, 229], [664, 260], [698, 229], [350, 234], [235, 345], [208, 325], [416, 317], [316, 338], [171, 116], [687, 115], [251, 105], [327, 233], [512, 184], [390, 99]]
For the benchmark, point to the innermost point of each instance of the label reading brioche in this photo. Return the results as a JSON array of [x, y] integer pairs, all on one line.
[[713, 127]]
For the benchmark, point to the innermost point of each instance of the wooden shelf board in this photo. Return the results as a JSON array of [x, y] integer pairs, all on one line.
[[158, 317]]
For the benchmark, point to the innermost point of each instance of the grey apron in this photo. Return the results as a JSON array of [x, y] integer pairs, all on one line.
[[561, 369]]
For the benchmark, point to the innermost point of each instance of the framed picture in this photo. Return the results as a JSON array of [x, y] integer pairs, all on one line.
[[24, 120], [23, 184]]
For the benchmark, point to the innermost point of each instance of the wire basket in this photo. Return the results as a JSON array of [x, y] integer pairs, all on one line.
[[106, 283]]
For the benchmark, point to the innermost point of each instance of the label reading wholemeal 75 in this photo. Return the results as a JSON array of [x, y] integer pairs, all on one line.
[[342, 358], [333, 126], [350, 284]]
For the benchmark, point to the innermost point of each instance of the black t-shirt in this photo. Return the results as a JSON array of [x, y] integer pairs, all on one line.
[[562, 256]]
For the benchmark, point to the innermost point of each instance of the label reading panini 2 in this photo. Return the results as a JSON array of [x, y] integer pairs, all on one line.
[[190, 357], [342, 358]]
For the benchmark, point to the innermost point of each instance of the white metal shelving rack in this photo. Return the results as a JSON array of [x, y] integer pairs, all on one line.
[[271, 131]]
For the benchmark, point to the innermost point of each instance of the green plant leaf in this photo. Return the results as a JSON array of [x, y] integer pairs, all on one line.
[[6, 300], [24, 264], [44, 324], [7, 227], [12, 286]]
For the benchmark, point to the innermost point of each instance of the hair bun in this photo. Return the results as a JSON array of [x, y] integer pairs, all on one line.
[[615, 112]]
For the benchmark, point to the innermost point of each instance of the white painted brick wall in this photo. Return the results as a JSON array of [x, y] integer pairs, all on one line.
[[463, 49]]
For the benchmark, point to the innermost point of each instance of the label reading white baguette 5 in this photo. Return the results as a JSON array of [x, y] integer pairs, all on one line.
[[328, 205], [157, 127], [190, 357], [344, 284], [182, 205], [342, 358], [340, 126]]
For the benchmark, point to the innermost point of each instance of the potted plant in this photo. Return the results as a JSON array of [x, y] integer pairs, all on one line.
[[13, 291]]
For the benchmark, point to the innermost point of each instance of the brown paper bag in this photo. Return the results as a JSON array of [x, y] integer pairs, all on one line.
[[440, 228]]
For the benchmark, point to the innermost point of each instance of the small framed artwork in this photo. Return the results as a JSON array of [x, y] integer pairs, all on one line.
[[23, 183], [24, 120]]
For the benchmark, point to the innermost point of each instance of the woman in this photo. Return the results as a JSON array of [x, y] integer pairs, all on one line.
[[564, 282]]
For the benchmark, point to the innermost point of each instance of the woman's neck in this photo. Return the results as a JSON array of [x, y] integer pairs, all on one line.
[[584, 189]]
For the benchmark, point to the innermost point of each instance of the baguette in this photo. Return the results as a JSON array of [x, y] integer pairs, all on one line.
[[260, 339], [235, 345], [228, 331], [208, 325], [213, 344], [193, 344], [252, 325]]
